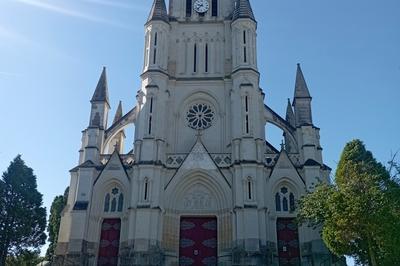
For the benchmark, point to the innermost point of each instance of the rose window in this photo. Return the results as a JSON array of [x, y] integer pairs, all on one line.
[[200, 116]]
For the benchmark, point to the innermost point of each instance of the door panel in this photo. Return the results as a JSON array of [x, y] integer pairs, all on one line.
[[109, 242], [198, 242], [288, 242]]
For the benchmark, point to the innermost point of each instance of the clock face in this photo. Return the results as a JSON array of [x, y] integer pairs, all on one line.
[[201, 6]]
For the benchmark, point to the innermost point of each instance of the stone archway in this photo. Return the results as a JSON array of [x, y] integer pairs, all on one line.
[[200, 197]]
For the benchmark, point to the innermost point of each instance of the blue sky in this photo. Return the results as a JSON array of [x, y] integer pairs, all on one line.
[[52, 52]]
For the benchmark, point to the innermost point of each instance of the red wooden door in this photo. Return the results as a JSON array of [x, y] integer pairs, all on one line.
[[198, 242], [109, 242], [288, 242]]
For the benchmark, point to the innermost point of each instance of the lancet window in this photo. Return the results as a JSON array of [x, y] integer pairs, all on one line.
[[214, 7], [114, 201], [244, 46], [250, 189], [155, 48], [285, 200], [188, 8], [146, 190], [150, 121], [247, 114]]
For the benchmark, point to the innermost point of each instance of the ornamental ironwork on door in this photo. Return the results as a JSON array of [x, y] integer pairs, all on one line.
[[198, 241], [288, 242], [109, 242]]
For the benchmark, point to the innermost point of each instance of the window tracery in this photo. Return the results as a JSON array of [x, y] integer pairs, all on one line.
[[114, 201], [285, 200], [200, 116]]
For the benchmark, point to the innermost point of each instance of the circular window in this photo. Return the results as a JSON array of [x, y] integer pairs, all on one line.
[[200, 116]]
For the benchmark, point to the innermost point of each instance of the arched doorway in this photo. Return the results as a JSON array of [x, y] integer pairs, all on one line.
[[109, 242], [198, 241]]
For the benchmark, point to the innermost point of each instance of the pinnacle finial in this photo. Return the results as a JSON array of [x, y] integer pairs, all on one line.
[[301, 89], [290, 118], [101, 92], [158, 11], [118, 113]]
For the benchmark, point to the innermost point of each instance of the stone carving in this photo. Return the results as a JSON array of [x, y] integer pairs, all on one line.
[[198, 198], [199, 159], [221, 159]]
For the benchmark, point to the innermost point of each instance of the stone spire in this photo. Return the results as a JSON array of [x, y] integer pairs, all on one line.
[[290, 118], [118, 113], [243, 10], [302, 100], [301, 89], [158, 11], [101, 92]]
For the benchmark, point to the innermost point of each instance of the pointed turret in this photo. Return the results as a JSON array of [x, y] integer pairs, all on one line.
[[301, 89], [101, 92], [100, 103], [118, 113], [117, 142], [243, 10], [302, 100], [158, 11], [290, 118]]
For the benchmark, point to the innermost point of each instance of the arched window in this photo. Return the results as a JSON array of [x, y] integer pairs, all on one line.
[[107, 203], [113, 205], [247, 114], [195, 58], [285, 200], [155, 48], [146, 187], [285, 204], [114, 201], [214, 7], [120, 202], [188, 8], [249, 189], [244, 46], [278, 202], [206, 58], [147, 50], [292, 202], [150, 122]]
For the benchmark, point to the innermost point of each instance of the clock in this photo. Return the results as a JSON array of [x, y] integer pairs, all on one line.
[[201, 6]]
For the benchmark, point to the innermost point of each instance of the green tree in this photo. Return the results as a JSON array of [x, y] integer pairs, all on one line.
[[22, 219], [360, 214], [26, 258], [56, 209]]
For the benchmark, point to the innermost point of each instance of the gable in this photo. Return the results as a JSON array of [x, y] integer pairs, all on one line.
[[114, 169], [198, 159], [284, 167]]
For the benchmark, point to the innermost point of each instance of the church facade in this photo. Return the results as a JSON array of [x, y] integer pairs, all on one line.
[[201, 184]]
